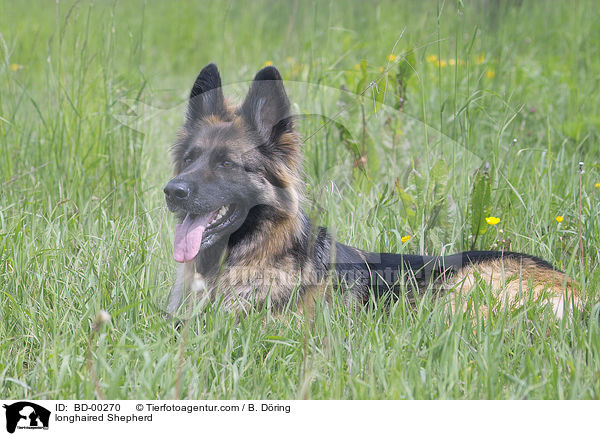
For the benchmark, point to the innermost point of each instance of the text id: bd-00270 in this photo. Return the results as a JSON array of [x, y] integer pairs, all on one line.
[[84, 407]]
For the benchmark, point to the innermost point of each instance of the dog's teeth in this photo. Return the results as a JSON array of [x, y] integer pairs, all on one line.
[[222, 211]]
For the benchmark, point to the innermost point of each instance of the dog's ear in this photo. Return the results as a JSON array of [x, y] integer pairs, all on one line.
[[206, 97], [267, 107]]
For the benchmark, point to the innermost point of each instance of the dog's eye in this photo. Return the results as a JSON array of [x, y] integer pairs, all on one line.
[[187, 161], [226, 164]]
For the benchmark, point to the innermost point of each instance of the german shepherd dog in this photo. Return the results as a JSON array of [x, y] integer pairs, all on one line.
[[243, 238]]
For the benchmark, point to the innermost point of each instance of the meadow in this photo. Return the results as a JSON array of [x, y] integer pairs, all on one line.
[[420, 120]]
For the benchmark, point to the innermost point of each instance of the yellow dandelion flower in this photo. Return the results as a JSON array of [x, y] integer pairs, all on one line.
[[405, 238], [268, 64], [15, 67], [490, 74], [597, 185], [480, 59], [381, 69], [559, 219], [452, 62], [392, 57], [492, 220], [443, 63], [431, 58], [357, 67]]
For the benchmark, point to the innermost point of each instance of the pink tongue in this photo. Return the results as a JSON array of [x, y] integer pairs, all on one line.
[[188, 237]]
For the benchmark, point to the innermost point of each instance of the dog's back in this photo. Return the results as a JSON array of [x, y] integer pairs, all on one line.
[[512, 277]]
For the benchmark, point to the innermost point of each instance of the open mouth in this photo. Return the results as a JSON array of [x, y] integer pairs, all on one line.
[[196, 228]]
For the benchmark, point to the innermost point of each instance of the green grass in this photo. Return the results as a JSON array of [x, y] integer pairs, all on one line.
[[93, 92]]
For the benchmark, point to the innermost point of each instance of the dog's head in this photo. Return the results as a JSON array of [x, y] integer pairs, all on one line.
[[232, 162]]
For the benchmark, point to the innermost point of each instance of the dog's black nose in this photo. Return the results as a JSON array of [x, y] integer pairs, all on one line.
[[177, 190]]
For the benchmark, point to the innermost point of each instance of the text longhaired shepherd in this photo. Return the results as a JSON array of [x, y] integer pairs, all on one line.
[[243, 238]]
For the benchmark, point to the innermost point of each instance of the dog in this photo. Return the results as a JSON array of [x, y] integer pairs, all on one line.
[[243, 239]]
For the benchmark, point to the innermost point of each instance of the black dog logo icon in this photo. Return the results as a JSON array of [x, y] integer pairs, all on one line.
[[31, 413]]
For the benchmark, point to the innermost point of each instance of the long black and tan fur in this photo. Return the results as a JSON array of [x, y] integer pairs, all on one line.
[[238, 170]]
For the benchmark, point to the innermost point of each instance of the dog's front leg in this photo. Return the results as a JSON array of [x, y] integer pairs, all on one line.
[[177, 291]]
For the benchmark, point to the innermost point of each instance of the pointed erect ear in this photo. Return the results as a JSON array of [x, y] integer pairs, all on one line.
[[266, 107], [206, 97]]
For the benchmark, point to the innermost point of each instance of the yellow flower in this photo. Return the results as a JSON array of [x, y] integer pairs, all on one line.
[[381, 69], [405, 238], [597, 185], [392, 57], [431, 58], [559, 219], [480, 59], [492, 220], [490, 74], [268, 64], [15, 67], [443, 63], [451, 62], [357, 67]]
